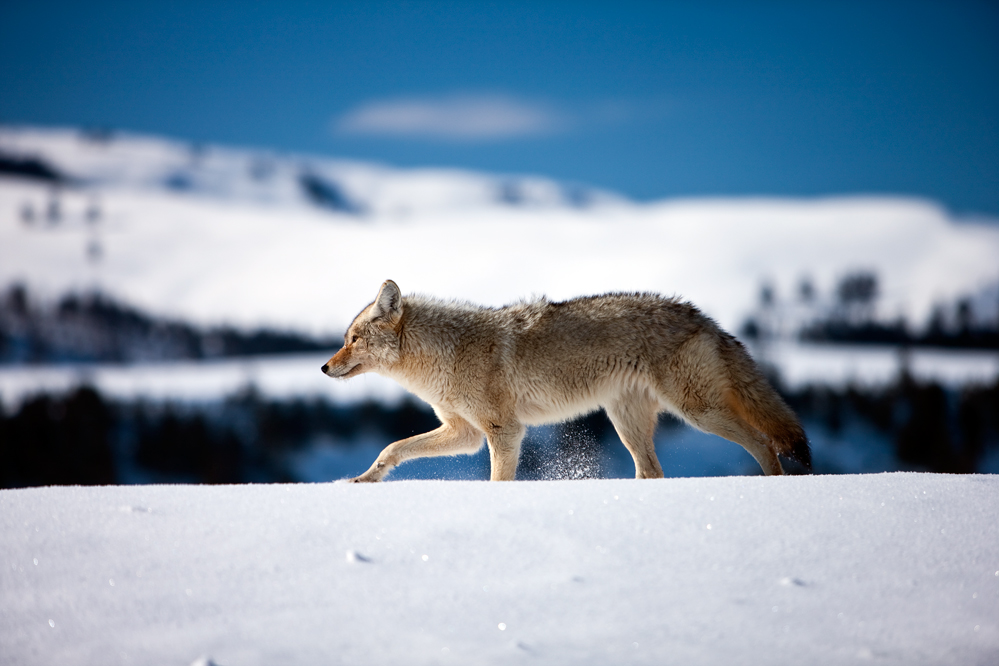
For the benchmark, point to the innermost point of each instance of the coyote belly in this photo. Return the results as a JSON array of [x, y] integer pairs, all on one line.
[[489, 372]]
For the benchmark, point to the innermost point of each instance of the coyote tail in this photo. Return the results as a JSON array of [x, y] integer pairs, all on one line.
[[758, 403]]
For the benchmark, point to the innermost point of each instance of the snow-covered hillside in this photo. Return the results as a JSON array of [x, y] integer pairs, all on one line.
[[889, 568], [250, 238], [149, 164]]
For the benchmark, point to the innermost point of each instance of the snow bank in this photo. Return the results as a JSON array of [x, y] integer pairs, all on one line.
[[893, 568]]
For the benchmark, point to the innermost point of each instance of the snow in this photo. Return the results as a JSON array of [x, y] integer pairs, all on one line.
[[250, 250], [888, 568]]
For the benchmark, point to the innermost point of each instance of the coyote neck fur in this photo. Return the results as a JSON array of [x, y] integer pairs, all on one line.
[[430, 339]]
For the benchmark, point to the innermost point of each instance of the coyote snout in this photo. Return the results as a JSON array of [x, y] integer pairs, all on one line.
[[489, 372], [334, 372]]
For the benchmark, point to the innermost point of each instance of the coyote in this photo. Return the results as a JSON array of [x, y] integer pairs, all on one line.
[[489, 372]]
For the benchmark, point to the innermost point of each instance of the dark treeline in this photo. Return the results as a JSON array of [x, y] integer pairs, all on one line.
[[32, 168], [848, 315], [968, 336], [931, 428], [84, 438], [94, 328]]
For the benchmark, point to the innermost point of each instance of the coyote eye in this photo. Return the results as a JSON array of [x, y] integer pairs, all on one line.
[[353, 338]]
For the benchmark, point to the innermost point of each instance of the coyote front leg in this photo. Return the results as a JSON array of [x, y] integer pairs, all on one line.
[[504, 450], [453, 437]]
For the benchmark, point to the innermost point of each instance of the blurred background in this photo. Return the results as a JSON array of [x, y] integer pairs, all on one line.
[[196, 198]]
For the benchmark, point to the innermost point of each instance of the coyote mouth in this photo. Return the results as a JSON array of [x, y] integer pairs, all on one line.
[[337, 373]]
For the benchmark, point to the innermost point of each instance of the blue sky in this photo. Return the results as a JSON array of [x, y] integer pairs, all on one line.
[[649, 99]]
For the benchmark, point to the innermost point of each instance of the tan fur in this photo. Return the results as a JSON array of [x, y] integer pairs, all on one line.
[[489, 372]]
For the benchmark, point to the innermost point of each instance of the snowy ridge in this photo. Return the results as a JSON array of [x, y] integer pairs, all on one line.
[[891, 568]]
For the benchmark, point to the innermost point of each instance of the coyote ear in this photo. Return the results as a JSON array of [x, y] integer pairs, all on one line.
[[389, 300]]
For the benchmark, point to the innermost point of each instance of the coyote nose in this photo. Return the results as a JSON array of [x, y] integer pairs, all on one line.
[[325, 367]]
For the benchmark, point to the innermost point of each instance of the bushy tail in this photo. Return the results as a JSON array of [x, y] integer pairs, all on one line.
[[761, 406]]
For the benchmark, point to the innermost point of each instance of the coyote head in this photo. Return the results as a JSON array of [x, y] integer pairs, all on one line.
[[372, 340]]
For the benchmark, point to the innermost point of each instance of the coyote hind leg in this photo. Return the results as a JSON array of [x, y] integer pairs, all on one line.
[[733, 428], [453, 437], [634, 416]]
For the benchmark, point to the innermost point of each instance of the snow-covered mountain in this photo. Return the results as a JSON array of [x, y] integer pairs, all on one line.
[[252, 238], [131, 162]]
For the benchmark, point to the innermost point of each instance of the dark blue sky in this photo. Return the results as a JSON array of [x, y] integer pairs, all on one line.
[[652, 100]]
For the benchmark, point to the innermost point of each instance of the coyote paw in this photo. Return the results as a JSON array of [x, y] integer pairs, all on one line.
[[376, 473]]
